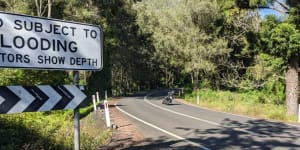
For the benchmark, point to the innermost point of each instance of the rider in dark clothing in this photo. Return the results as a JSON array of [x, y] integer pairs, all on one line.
[[169, 98]]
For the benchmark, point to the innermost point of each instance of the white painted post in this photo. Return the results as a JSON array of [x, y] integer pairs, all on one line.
[[198, 99], [299, 113], [105, 94], [94, 102], [97, 97], [106, 109], [98, 100]]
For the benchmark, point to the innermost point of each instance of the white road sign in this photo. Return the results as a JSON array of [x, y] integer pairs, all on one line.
[[42, 43]]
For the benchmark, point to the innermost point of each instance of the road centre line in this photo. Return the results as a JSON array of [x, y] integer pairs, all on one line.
[[162, 130], [181, 114]]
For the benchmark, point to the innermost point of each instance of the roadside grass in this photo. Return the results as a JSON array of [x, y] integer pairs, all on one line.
[[255, 104], [93, 135], [49, 130]]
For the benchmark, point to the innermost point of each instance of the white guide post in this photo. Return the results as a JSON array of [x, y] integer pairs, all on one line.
[[94, 102], [106, 109], [97, 97]]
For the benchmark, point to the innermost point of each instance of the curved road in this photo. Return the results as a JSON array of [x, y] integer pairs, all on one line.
[[181, 126]]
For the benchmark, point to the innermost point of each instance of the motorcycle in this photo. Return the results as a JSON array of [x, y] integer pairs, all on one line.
[[168, 100]]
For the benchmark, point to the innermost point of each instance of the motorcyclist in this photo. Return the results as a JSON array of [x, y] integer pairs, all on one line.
[[171, 94], [169, 98]]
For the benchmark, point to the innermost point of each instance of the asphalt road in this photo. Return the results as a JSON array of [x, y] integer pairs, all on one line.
[[181, 126]]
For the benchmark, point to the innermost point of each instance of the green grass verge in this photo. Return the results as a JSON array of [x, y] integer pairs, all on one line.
[[254, 104], [48, 130]]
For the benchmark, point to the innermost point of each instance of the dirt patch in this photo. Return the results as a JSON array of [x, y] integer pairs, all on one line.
[[126, 135]]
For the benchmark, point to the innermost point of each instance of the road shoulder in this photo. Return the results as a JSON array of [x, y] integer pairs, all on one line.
[[126, 135]]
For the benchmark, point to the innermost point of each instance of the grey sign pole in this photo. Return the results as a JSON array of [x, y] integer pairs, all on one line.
[[76, 116]]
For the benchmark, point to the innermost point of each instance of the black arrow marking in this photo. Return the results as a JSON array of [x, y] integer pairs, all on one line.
[[40, 98], [66, 97], [11, 99]]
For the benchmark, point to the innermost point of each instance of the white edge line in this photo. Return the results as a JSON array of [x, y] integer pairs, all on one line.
[[202, 120], [198, 106], [238, 115], [162, 130]]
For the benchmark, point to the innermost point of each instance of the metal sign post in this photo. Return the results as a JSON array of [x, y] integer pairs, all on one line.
[[76, 116]]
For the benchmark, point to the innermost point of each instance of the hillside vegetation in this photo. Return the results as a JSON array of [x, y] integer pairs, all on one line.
[[221, 50]]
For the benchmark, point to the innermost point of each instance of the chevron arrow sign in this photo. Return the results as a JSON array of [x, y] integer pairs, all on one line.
[[17, 99]]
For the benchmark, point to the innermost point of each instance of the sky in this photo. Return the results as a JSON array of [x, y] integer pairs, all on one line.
[[269, 11], [264, 12]]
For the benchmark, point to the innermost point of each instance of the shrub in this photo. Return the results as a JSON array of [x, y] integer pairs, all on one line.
[[47, 130]]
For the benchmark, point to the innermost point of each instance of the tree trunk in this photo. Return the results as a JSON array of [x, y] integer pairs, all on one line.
[[291, 90], [38, 7], [166, 76], [192, 78], [49, 8], [196, 80]]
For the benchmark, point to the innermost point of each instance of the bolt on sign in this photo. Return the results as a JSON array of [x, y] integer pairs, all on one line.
[[42, 43]]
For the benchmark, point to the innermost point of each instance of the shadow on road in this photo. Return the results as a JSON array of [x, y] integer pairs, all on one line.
[[254, 134], [172, 104], [162, 143]]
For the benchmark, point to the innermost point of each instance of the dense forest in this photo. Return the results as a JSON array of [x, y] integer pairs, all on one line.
[[199, 45], [216, 44]]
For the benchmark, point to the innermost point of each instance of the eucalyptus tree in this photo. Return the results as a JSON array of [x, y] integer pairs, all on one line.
[[282, 40], [157, 18], [278, 38], [240, 19], [184, 34]]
